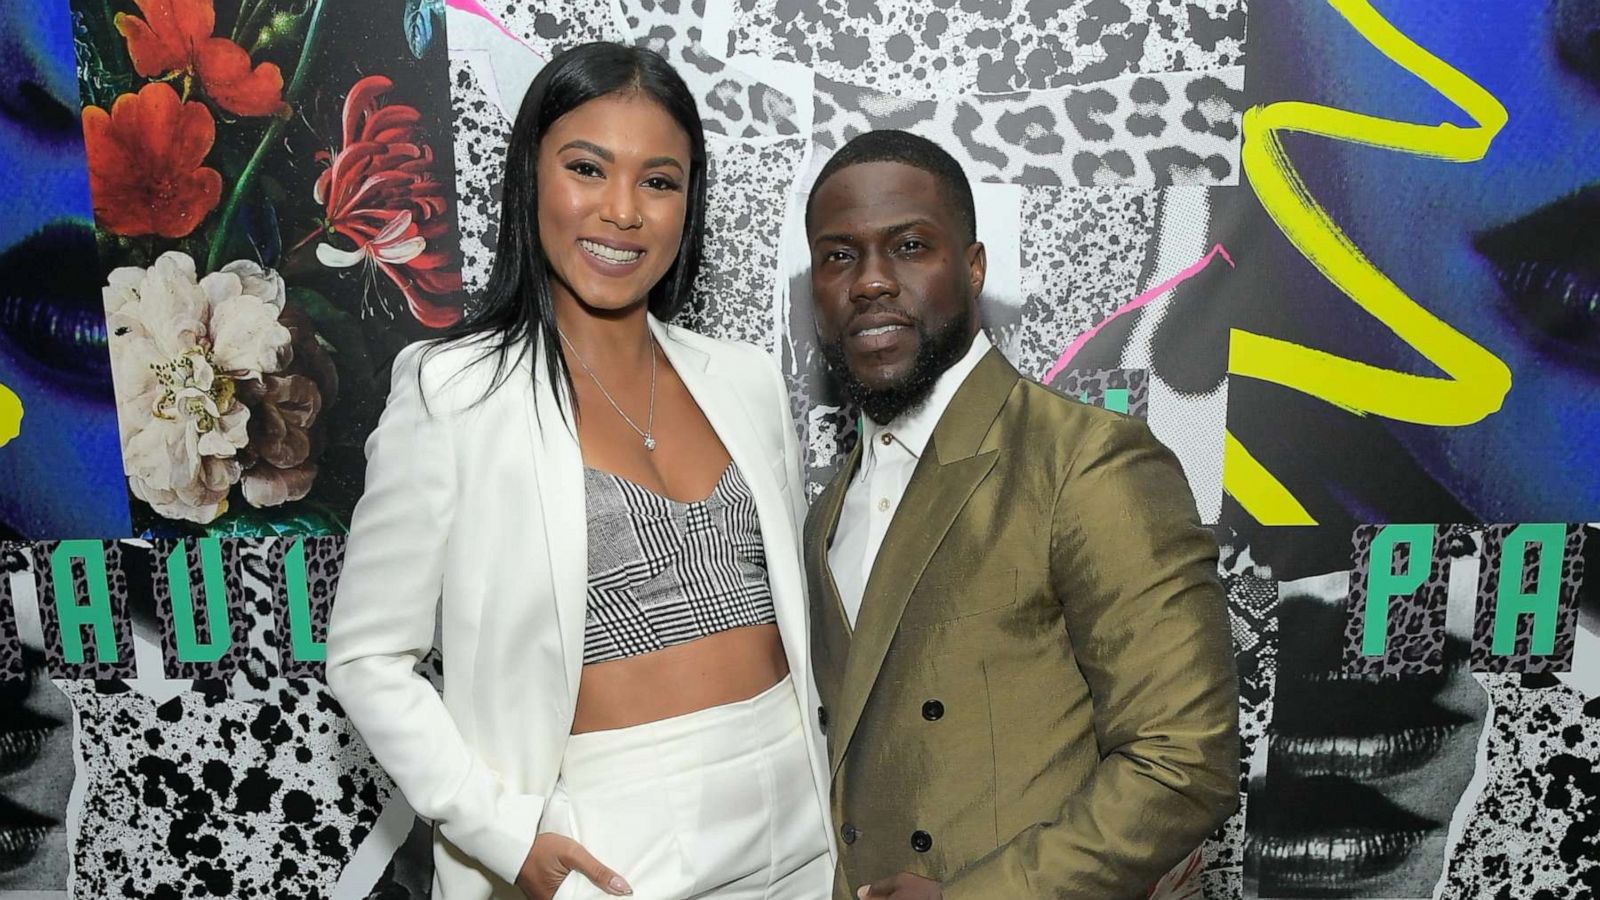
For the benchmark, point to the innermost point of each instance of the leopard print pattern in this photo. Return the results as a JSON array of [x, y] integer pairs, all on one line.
[[1496, 565], [14, 558], [733, 102], [1095, 387], [324, 558], [994, 46], [123, 665], [206, 630], [1414, 643], [1148, 130]]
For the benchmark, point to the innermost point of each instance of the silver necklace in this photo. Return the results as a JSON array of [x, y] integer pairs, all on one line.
[[647, 432]]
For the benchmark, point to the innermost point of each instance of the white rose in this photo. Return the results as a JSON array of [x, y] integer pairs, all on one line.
[[178, 349]]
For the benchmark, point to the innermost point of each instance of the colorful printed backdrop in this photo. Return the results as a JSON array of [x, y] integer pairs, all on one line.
[[1338, 253]]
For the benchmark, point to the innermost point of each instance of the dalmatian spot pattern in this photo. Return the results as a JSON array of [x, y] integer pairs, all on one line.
[[548, 30], [994, 46], [1149, 130], [1533, 832], [205, 795]]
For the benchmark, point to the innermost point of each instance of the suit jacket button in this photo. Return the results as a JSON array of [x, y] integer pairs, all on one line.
[[921, 841], [822, 718], [848, 832], [933, 710]]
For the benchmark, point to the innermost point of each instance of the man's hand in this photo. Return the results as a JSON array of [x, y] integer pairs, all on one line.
[[904, 886], [552, 857]]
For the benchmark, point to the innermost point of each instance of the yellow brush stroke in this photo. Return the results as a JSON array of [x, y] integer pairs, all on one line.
[[10, 415], [1254, 487], [1475, 381]]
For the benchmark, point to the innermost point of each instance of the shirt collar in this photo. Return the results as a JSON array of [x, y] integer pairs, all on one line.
[[914, 429]]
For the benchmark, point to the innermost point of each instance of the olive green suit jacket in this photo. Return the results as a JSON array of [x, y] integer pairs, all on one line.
[[1039, 698]]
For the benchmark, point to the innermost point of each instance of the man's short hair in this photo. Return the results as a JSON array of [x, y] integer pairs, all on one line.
[[912, 150]]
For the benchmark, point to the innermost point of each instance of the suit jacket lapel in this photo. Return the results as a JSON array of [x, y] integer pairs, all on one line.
[[729, 418], [950, 469], [824, 522], [830, 635], [559, 463]]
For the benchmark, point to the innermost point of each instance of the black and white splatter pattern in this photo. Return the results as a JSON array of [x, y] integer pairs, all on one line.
[[1082, 254], [1534, 831], [204, 795], [481, 131]]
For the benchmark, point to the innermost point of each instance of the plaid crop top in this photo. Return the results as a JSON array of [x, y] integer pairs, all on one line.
[[665, 572]]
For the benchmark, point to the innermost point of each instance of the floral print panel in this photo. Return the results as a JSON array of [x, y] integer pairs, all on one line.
[[268, 179]]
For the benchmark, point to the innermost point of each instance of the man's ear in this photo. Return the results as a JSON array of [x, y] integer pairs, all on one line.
[[977, 266]]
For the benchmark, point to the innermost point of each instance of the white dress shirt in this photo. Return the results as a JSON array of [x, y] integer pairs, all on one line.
[[889, 454]]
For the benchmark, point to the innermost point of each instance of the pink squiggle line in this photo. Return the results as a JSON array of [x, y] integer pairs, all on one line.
[[1144, 298], [473, 7]]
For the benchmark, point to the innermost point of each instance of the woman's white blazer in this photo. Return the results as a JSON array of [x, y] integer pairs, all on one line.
[[473, 522]]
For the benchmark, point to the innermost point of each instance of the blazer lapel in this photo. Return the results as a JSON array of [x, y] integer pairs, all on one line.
[[951, 468], [559, 463], [726, 412], [824, 522], [830, 635]]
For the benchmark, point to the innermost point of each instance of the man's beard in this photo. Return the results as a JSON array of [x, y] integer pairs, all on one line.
[[936, 352]]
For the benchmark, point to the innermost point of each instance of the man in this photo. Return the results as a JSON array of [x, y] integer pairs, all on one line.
[[1018, 634]]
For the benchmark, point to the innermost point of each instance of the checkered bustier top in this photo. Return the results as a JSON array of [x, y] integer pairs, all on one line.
[[664, 572]]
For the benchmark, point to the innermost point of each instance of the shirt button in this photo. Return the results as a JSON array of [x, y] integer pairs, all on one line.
[[848, 832], [933, 710], [887, 439], [883, 504], [921, 841]]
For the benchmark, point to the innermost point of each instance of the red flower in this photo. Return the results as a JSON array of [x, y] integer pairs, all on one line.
[[380, 192], [174, 38], [145, 172]]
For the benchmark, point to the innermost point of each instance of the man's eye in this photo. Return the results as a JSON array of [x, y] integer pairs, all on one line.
[[913, 245]]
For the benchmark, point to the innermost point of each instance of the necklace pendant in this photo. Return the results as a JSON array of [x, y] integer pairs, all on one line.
[[649, 442]]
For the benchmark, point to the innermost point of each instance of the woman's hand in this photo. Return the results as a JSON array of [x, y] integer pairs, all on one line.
[[552, 857]]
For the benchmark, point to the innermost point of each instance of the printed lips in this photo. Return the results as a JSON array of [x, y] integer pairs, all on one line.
[[50, 309], [1548, 265], [26, 730], [1358, 767]]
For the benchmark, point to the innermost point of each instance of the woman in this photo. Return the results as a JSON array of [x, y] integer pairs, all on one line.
[[602, 511]]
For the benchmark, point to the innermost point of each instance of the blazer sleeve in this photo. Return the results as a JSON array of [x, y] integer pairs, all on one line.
[[383, 621], [1136, 575]]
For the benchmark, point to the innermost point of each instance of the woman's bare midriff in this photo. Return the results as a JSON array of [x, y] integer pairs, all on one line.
[[720, 668]]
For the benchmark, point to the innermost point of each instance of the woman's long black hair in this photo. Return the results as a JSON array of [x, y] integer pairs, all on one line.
[[517, 314]]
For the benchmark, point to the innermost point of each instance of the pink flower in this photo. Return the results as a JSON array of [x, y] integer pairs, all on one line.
[[379, 192]]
